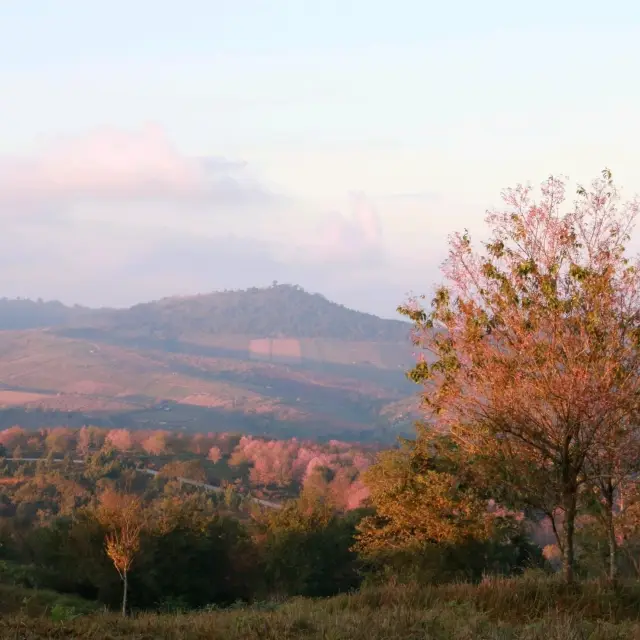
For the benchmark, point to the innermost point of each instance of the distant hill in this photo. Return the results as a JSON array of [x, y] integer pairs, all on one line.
[[277, 360], [275, 312]]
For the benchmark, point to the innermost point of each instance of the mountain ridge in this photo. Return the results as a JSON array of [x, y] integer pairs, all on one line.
[[227, 307]]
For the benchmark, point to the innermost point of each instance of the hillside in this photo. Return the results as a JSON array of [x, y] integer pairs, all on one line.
[[276, 361], [274, 312]]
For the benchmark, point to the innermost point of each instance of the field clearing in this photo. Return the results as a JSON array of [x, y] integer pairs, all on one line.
[[14, 398], [246, 372], [79, 402], [227, 402]]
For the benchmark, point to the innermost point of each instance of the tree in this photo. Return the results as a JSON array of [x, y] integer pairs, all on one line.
[[184, 469], [308, 549], [124, 518], [533, 343], [195, 556], [120, 439], [610, 472], [156, 443], [59, 440], [215, 455], [420, 499]]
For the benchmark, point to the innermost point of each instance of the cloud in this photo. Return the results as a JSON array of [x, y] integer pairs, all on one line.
[[110, 165], [105, 264], [116, 217], [353, 238]]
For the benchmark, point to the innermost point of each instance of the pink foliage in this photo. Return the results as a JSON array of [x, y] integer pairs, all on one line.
[[356, 495], [215, 455], [283, 462], [361, 462], [156, 443], [12, 437], [120, 439]]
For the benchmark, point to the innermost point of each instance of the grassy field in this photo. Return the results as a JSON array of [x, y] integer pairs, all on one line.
[[529, 608]]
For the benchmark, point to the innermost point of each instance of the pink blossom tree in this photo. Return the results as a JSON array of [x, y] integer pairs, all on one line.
[[215, 455], [156, 443], [532, 344], [120, 439]]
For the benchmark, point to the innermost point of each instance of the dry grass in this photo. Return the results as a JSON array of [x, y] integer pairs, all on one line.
[[497, 610]]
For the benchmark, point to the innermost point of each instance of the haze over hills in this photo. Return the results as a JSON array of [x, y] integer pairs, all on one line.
[[278, 361]]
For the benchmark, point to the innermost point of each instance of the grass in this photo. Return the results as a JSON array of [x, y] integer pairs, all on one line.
[[18, 602], [528, 609]]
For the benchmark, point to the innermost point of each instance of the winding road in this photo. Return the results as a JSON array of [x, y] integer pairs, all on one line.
[[194, 483]]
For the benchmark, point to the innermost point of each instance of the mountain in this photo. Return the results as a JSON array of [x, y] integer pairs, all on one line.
[[278, 361], [277, 311]]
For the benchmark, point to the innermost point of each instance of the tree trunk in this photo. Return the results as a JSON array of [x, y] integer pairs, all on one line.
[[613, 543], [125, 587], [568, 530], [613, 557]]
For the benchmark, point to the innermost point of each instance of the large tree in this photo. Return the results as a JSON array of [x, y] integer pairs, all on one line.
[[532, 343]]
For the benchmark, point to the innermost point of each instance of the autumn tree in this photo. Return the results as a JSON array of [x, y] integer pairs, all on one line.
[[215, 455], [531, 345], [611, 471], [420, 499], [60, 440], [184, 469], [123, 517], [155, 443], [90, 439]]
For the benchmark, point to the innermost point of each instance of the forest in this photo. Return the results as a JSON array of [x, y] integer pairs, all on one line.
[[512, 512]]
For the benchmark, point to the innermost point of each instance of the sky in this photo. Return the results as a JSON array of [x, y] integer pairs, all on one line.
[[155, 148]]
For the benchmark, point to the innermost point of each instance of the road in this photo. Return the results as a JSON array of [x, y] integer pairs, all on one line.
[[194, 483]]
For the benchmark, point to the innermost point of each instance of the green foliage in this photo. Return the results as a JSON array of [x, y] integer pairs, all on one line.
[[307, 550], [62, 613]]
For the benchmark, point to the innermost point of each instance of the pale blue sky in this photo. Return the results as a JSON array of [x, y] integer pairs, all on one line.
[[429, 109]]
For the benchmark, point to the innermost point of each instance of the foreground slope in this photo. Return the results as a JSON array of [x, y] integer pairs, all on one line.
[[278, 361], [509, 609]]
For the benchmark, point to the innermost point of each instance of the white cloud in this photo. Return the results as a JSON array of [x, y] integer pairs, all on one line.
[[115, 166], [114, 218]]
